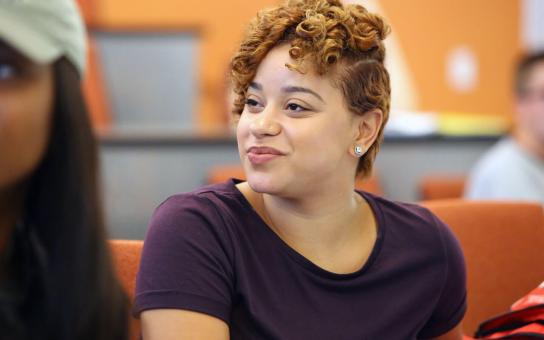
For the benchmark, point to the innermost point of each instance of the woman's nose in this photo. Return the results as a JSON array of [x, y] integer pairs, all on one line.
[[265, 124]]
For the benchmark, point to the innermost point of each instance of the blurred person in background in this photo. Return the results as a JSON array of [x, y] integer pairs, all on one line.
[[514, 168], [295, 252], [56, 277]]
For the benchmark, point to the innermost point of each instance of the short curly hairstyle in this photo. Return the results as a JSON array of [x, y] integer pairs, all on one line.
[[345, 38]]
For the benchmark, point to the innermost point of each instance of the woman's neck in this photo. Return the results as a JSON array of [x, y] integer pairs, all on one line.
[[335, 229], [325, 212], [324, 220]]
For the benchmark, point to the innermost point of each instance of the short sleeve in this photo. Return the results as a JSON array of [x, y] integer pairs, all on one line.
[[185, 260], [451, 305]]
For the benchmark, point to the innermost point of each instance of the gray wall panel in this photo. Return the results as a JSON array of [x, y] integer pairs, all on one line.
[[151, 79], [137, 178]]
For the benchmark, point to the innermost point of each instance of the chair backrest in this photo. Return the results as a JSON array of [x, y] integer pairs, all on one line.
[[503, 244], [126, 258], [221, 173], [442, 187]]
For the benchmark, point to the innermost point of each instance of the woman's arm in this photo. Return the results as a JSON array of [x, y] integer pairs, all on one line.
[[175, 324]]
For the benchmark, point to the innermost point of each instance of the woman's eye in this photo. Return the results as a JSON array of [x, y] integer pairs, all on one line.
[[251, 102], [7, 71], [296, 107]]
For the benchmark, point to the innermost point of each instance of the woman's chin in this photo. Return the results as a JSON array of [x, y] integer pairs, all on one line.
[[263, 183]]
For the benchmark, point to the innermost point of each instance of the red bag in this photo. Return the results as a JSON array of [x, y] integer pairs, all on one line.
[[525, 321]]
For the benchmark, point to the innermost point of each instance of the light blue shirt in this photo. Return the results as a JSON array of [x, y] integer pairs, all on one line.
[[507, 172]]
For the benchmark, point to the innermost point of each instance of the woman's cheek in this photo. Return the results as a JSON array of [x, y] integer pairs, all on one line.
[[25, 123]]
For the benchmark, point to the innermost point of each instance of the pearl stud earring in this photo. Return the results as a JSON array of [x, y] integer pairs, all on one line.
[[358, 150]]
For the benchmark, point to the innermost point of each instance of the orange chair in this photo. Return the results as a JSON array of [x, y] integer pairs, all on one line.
[[126, 258], [442, 187], [221, 173], [503, 243]]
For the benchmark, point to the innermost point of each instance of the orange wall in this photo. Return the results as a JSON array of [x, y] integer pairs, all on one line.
[[218, 24], [426, 29], [429, 29], [87, 7]]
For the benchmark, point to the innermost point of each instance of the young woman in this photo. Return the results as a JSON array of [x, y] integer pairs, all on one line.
[[56, 279], [295, 252]]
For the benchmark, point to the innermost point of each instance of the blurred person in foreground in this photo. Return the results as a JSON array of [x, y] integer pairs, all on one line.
[[56, 278], [296, 252], [514, 168]]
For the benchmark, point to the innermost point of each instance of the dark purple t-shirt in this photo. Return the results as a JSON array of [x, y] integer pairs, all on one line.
[[209, 251]]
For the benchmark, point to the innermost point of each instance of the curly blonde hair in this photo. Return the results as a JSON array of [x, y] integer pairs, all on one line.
[[348, 39]]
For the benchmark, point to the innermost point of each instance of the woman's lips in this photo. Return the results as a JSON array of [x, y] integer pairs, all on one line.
[[261, 158], [262, 155]]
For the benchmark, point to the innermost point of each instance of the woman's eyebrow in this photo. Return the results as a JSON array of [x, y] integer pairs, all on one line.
[[288, 89], [256, 86], [291, 89]]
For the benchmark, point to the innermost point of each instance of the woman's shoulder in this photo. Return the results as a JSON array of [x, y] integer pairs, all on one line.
[[208, 201], [213, 209], [193, 220], [419, 234], [400, 211], [410, 221], [188, 254]]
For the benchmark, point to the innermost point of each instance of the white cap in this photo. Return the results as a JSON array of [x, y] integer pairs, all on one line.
[[44, 30]]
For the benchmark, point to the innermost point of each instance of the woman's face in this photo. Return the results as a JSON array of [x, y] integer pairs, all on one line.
[[530, 105], [26, 100], [295, 134]]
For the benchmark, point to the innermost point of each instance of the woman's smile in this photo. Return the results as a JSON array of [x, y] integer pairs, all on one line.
[[263, 154]]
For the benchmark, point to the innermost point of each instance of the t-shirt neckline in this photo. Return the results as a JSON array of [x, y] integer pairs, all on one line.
[[306, 263]]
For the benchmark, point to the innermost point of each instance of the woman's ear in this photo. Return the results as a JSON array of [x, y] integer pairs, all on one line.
[[367, 128]]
